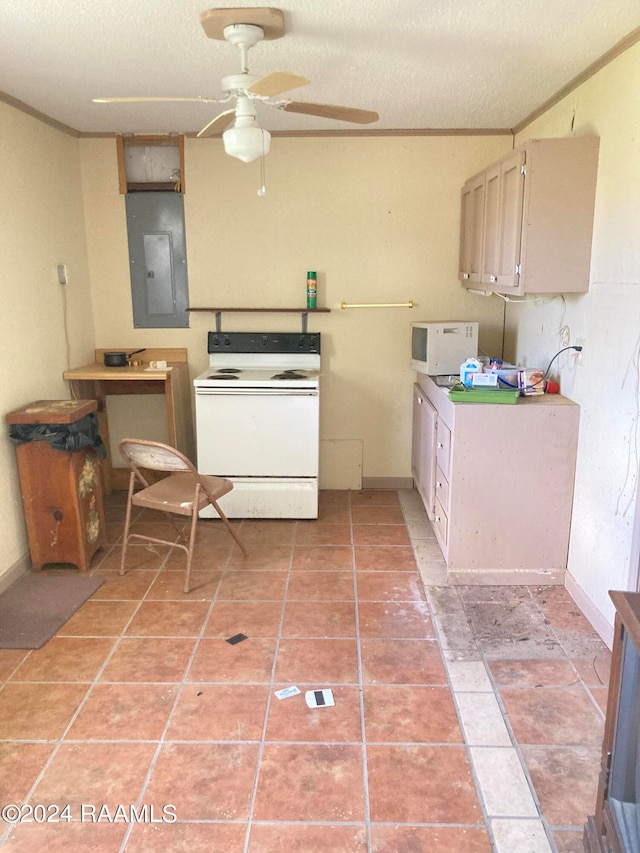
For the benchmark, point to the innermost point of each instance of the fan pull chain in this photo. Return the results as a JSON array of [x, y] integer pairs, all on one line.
[[263, 188]]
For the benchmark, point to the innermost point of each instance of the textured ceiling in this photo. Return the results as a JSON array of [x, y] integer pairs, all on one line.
[[421, 64]]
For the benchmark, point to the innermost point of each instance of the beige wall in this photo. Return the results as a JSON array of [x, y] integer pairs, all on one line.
[[603, 551], [377, 218], [41, 226]]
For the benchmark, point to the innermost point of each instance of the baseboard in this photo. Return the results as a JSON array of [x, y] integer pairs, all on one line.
[[588, 608], [506, 577], [387, 482], [19, 568]]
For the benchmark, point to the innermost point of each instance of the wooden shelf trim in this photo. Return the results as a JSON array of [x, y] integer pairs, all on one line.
[[267, 310]]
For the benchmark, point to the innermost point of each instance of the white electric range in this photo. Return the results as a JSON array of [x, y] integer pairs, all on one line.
[[257, 422]]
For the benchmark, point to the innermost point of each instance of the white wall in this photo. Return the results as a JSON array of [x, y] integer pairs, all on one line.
[[607, 319], [42, 325]]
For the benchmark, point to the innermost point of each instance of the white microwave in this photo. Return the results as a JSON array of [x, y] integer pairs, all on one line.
[[440, 348]]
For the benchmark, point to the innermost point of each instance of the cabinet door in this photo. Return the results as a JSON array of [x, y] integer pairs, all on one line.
[[471, 230], [490, 241], [512, 178], [423, 455]]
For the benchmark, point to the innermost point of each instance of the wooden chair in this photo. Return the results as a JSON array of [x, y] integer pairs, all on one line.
[[183, 492]]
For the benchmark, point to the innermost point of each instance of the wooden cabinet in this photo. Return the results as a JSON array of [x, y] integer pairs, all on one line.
[[497, 483], [61, 491], [423, 456], [535, 221]]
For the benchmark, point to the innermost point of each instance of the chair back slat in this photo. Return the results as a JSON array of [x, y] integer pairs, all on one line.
[[153, 455]]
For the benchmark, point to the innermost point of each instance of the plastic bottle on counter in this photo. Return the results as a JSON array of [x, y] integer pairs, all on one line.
[[467, 369], [312, 289]]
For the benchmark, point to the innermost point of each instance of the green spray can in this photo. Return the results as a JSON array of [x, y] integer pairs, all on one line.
[[312, 289]]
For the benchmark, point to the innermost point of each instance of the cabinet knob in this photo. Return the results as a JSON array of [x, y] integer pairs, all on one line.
[[438, 485], [437, 518], [465, 275], [493, 279], [419, 399], [440, 444]]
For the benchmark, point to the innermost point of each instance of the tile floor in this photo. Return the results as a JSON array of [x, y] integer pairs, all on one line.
[[466, 719]]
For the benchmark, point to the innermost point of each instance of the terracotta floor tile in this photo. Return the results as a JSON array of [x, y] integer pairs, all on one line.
[[317, 533], [67, 838], [394, 619], [318, 662], [402, 662], [429, 839], [38, 711], [205, 781], [568, 841], [219, 712], [565, 781], [191, 837], [168, 619], [365, 514], [321, 586], [99, 619], [65, 659], [389, 586], [601, 695], [595, 671], [10, 659], [263, 533], [95, 773], [334, 497], [248, 661], [291, 720], [533, 673], [206, 557], [380, 534], [334, 514], [275, 558], [319, 619], [334, 558], [139, 557], [252, 586], [149, 659], [20, 765], [375, 497], [421, 784], [307, 838], [124, 712], [553, 716], [310, 782], [169, 585], [413, 714], [252, 618], [132, 586], [390, 558]]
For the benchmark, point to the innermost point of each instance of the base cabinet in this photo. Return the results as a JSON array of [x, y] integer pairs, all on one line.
[[497, 483]]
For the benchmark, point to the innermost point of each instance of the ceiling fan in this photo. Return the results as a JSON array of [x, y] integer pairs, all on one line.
[[246, 140]]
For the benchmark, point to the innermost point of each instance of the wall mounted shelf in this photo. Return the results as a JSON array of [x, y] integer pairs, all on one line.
[[304, 313]]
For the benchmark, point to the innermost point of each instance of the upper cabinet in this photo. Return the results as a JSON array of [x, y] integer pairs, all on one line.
[[526, 221]]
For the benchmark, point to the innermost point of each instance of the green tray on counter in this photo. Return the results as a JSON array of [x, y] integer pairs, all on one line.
[[460, 394]]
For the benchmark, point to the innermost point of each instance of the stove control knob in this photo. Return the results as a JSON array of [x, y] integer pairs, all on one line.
[[264, 341], [227, 342]]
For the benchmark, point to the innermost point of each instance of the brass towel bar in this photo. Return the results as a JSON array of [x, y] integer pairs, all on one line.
[[377, 304]]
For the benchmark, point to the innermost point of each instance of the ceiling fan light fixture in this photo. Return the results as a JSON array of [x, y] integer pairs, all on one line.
[[246, 143]]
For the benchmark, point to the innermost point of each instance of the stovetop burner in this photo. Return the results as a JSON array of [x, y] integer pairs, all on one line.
[[290, 374], [229, 370]]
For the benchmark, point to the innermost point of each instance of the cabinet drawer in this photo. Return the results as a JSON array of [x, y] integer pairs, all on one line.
[[441, 524], [443, 447], [442, 488]]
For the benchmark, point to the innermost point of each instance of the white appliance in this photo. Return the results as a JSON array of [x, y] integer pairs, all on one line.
[[258, 422], [440, 348]]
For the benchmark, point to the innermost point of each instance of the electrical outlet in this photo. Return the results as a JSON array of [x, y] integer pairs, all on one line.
[[580, 342], [62, 273]]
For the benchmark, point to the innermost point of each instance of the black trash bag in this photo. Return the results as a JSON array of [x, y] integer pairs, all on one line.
[[79, 435]]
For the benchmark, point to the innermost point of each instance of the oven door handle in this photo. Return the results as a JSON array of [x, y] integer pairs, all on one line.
[[254, 392]]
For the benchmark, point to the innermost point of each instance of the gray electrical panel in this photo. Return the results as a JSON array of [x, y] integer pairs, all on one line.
[[157, 259]]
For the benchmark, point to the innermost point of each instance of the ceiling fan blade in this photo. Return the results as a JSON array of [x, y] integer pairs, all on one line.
[[332, 111], [276, 83], [218, 124], [143, 99]]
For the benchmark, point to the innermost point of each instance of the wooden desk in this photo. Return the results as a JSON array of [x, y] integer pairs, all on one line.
[[95, 381]]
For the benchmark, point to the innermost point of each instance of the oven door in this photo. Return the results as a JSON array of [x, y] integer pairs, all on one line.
[[257, 432]]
